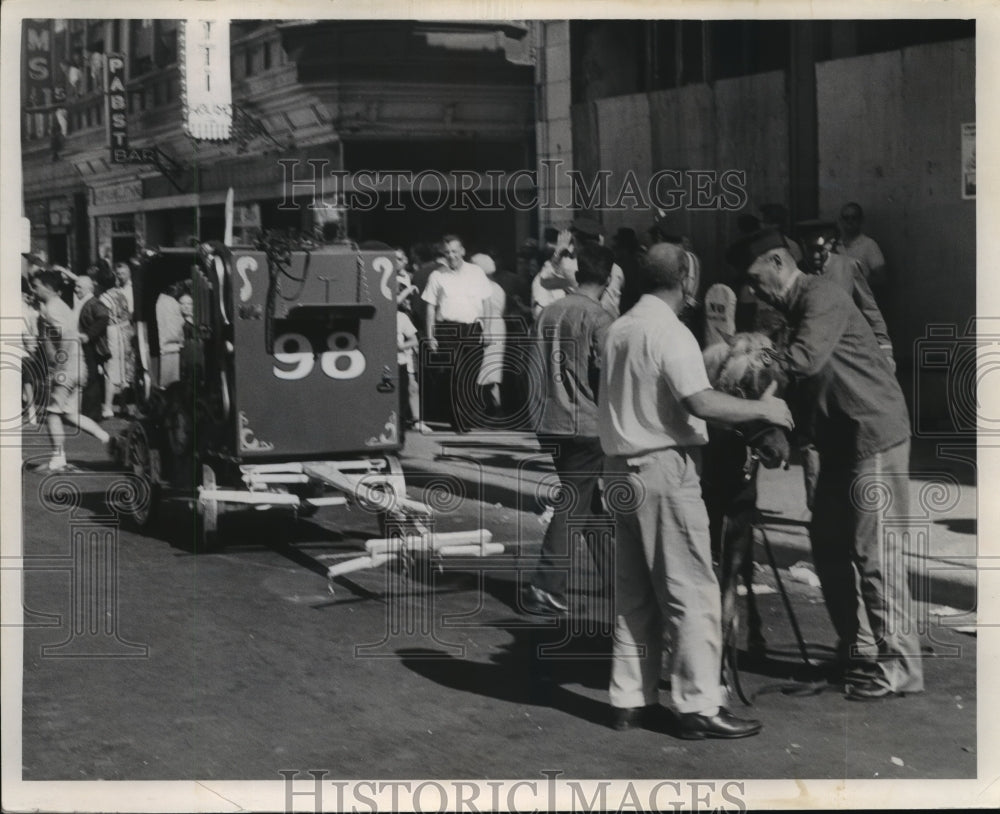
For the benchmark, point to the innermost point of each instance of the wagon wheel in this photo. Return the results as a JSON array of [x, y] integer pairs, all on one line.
[[141, 461], [208, 511]]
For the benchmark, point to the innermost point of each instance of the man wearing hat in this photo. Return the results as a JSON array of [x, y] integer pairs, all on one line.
[[819, 238], [820, 241], [849, 404], [653, 402], [558, 275]]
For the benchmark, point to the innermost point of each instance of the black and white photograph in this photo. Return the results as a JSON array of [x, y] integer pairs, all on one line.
[[421, 409]]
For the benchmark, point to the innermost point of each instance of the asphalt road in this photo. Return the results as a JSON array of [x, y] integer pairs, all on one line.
[[240, 664]]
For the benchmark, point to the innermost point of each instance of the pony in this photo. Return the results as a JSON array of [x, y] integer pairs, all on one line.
[[744, 365]]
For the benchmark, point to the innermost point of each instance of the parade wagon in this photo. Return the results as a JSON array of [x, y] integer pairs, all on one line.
[[287, 396]]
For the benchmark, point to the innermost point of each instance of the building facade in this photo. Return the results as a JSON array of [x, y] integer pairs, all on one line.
[[809, 114], [719, 117], [314, 104]]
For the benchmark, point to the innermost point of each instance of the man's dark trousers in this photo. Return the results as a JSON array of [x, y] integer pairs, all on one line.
[[579, 463], [460, 346]]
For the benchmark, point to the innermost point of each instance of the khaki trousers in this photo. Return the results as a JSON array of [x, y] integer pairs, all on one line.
[[858, 522], [664, 582]]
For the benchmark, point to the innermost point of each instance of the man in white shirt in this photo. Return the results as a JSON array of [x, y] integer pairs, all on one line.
[[855, 243], [654, 400], [456, 298]]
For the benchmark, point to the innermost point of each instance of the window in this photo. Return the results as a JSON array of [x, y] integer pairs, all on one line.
[[268, 46], [607, 58], [663, 72], [165, 44], [123, 224], [95, 36], [692, 52], [888, 35], [140, 46], [743, 47], [678, 53], [248, 62]]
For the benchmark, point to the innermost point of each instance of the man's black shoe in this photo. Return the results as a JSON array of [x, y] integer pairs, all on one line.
[[625, 718], [694, 726], [535, 600], [856, 672], [870, 691]]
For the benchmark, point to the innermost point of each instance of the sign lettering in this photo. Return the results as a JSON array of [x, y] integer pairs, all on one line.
[[296, 358], [124, 192], [208, 95], [38, 63], [117, 117]]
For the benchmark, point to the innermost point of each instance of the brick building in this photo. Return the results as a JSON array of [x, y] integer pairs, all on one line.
[[346, 95]]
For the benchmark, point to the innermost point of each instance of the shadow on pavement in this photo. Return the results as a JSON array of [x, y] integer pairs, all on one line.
[[519, 675]]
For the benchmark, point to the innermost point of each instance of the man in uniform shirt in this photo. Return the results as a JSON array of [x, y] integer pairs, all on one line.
[[847, 274], [653, 403], [456, 297], [850, 406]]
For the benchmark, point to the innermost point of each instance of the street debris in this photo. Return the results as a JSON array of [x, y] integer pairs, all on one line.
[[942, 612], [803, 572]]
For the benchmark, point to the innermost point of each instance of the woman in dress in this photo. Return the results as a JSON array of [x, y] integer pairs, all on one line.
[[120, 368]]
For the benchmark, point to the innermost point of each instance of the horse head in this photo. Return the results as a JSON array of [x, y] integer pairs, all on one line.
[[745, 366]]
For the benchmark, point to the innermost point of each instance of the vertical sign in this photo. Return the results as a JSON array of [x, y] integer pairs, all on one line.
[[205, 80], [117, 109], [968, 161], [38, 74]]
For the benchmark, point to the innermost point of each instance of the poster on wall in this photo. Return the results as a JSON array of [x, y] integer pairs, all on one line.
[[968, 161]]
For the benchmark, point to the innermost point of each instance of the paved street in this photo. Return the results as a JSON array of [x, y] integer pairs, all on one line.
[[241, 663]]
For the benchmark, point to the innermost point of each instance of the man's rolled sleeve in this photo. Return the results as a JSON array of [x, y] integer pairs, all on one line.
[[684, 369], [432, 291]]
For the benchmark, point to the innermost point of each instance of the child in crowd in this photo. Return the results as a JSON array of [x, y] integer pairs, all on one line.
[[406, 340]]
